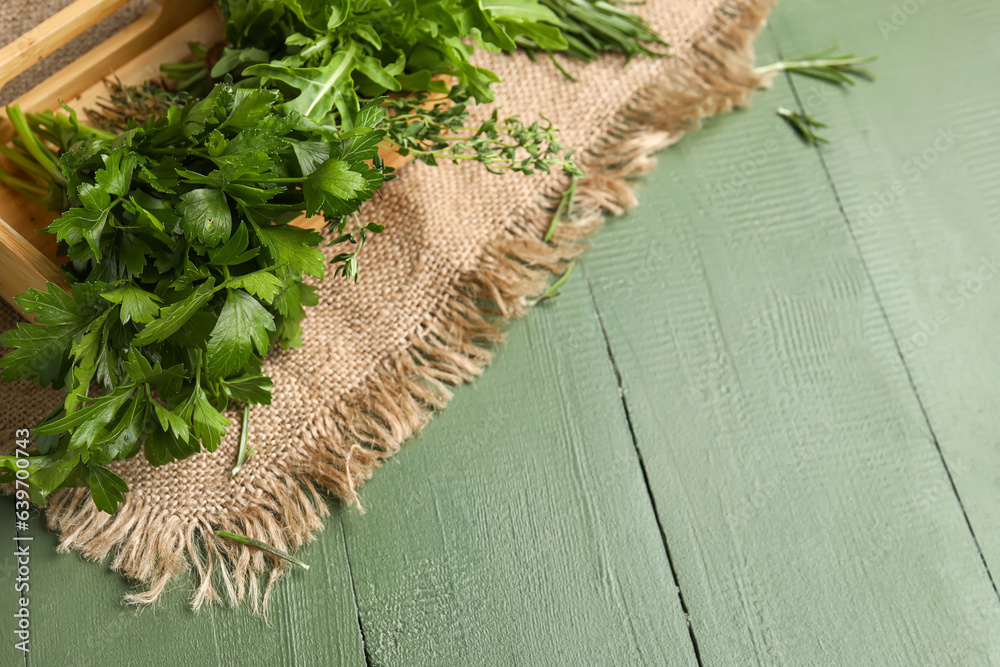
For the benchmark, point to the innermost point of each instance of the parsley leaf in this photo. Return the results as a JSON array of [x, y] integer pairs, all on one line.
[[243, 324]]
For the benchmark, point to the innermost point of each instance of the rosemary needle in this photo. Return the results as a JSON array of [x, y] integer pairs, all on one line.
[[803, 126], [263, 546]]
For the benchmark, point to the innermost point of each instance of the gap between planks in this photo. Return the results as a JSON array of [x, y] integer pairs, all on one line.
[[642, 464], [885, 317], [354, 592]]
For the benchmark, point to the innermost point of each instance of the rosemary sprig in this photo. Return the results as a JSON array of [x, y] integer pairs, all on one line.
[[135, 102], [593, 27], [263, 546], [803, 126], [826, 66]]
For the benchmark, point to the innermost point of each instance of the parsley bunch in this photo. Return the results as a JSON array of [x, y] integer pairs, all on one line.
[[184, 269]]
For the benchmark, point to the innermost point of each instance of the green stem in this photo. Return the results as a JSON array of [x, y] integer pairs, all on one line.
[[554, 290], [242, 456], [31, 144], [565, 208], [26, 165], [249, 541], [836, 63], [22, 186]]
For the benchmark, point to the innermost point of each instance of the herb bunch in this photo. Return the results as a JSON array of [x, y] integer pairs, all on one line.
[[184, 270], [183, 265]]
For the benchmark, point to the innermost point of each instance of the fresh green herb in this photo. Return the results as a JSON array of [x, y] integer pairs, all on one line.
[[803, 126], [553, 289], [327, 56], [435, 130], [184, 269], [263, 546], [564, 208], [245, 452], [594, 27], [139, 103], [825, 65]]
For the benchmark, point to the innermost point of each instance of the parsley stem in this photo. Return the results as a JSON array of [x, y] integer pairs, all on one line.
[[290, 179], [243, 454], [22, 186], [26, 165], [31, 143]]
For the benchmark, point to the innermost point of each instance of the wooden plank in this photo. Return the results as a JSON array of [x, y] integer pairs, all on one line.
[[517, 530], [921, 194], [9, 597], [78, 619], [809, 516]]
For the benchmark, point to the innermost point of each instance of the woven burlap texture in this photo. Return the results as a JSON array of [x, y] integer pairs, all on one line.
[[461, 254]]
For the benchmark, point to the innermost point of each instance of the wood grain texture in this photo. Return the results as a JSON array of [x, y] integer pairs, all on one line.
[[9, 598], [516, 529], [809, 515], [916, 168], [52, 34], [78, 619]]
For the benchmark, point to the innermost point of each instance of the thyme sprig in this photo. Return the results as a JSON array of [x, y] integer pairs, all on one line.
[[434, 129]]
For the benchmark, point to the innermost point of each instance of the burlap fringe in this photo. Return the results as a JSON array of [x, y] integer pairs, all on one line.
[[453, 346]]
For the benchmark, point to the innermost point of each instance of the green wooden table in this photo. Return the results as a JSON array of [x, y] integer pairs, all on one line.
[[759, 425]]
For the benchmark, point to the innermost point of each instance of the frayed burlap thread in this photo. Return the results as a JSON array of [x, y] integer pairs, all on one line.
[[463, 254]]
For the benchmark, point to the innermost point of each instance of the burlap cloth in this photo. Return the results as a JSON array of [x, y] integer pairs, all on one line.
[[462, 253]]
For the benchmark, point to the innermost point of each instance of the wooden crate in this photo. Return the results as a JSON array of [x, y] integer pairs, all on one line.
[[28, 255]]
